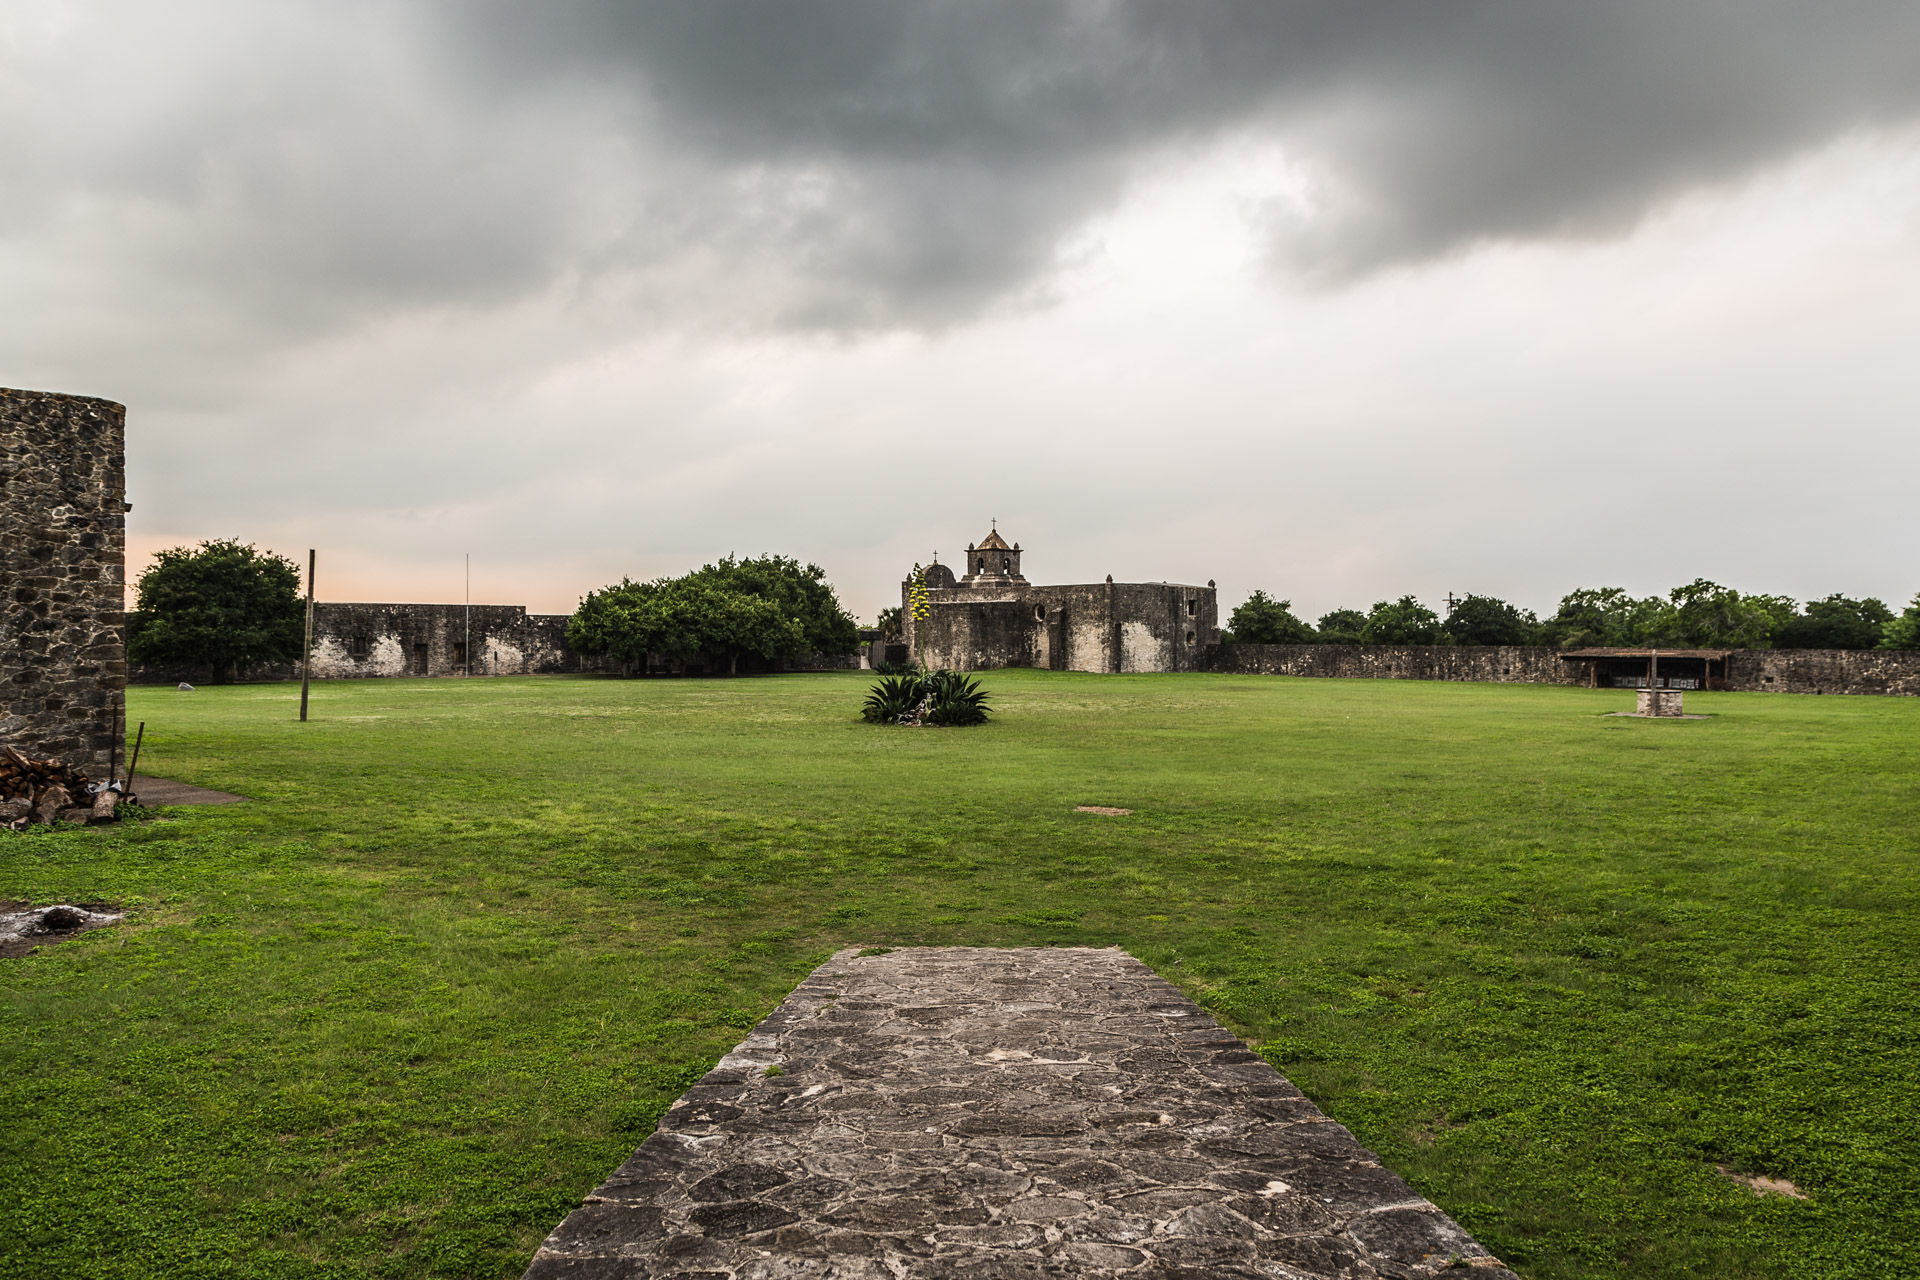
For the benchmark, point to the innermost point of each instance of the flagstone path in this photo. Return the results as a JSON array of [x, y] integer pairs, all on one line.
[[984, 1113]]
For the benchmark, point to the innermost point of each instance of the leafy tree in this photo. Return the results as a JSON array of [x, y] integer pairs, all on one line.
[[1485, 620], [770, 608], [1263, 620], [1834, 623], [1903, 632], [889, 623], [1600, 616], [1402, 621], [1342, 626], [801, 592], [1706, 615], [224, 605]]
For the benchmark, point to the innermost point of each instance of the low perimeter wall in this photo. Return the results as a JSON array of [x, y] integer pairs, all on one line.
[[363, 641], [1883, 671]]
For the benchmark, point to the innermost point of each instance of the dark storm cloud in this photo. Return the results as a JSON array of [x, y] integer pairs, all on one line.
[[962, 138]]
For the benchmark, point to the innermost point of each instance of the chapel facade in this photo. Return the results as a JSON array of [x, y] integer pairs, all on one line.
[[988, 615]]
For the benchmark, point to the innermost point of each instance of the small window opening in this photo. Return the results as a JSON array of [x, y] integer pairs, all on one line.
[[360, 646], [1189, 637], [1006, 565], [981, 567], [1193, 608], [1039, 613]]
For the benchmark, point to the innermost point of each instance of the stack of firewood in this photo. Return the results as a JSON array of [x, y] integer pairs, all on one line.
[[50, 791]]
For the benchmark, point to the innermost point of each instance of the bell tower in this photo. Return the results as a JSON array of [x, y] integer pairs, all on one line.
[[992, 563]]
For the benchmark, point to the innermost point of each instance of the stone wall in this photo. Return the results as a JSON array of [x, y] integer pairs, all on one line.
[[362, 641], [63, 669], [1895, 671], [1749, 670], [1101, 626]]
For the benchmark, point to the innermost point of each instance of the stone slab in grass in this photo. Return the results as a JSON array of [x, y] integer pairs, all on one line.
[[984, 1113]]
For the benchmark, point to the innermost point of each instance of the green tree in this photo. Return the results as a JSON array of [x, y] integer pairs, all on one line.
[[1402, 621], [770, 608], [799, 592], [1834, 623], [889, 624], [1902, 632], [223, 604], [1261, 619], [1600, 616], [1342, 626], [1706, 615], [1485, 620]]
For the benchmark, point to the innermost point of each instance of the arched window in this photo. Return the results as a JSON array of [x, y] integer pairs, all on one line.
[[1006, 565], [982, 566]]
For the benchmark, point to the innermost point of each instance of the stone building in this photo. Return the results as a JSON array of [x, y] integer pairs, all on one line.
[[991, 616], [63, 551]]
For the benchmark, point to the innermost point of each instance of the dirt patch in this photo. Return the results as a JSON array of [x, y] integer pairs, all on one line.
[[25, 929], [1761, 1185], [1107, 809]]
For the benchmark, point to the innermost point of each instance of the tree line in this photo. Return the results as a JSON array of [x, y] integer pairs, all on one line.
[[1699, 615]]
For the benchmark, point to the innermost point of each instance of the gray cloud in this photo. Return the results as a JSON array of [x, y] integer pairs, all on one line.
[[968, 135], [642, 283], [262, 173]]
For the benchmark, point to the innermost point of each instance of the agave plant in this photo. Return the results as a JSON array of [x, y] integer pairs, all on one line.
[[939, 697], [894, 700], [954, 698]]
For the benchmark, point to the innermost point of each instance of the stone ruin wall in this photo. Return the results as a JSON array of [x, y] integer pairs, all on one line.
[[1101, 626], [1819, 671], [362, 641], [63, 669], [368, 641]]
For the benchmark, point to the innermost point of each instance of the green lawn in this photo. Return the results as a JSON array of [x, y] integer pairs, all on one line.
[[394, 1017]]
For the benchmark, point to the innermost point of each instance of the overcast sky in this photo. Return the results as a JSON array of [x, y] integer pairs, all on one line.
[[1339, 300]]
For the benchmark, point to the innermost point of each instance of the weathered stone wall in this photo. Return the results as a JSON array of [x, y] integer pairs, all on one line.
[[1513, 664], [1895, 671], [361, 641], [358, 641], [63, 669], [1749, 670], [1101, 626]]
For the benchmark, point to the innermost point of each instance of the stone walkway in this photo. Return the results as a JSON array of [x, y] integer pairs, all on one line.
[[978, 1114]]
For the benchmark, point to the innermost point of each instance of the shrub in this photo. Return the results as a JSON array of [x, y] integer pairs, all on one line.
[[954, 698], [948, 698], [894, 700]]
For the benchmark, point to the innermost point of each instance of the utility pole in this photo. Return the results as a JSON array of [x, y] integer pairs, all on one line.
[[1451, 602], [306, 651], [466, 646]]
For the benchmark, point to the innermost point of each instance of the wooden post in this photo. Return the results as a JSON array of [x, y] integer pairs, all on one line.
[[134, 763], [306, 652]]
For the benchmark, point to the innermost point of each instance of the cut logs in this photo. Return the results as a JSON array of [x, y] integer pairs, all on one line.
[[49, 791]]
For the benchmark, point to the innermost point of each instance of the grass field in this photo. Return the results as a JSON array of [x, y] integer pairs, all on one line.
[[394, 1017]]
